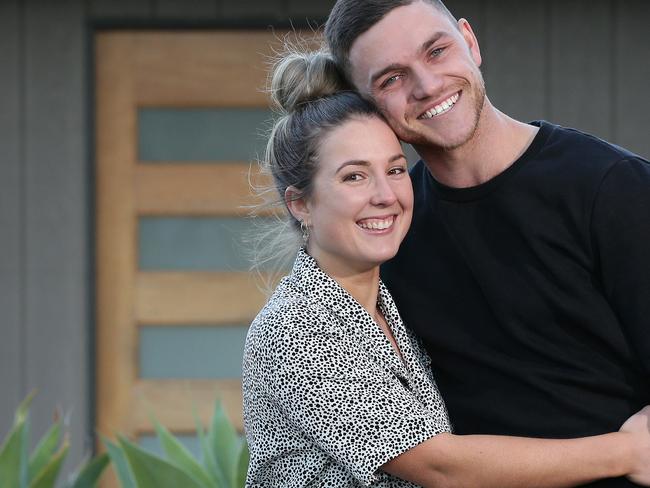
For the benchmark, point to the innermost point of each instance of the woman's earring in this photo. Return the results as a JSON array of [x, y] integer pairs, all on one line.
[[304, 228]]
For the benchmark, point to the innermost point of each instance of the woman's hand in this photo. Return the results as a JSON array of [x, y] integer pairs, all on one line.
[[638, 426]]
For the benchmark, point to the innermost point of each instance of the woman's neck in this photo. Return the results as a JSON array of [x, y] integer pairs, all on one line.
[[360, 282]]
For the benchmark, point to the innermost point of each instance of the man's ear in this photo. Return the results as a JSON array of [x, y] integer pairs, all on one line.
[[470, 38], [297, 204]]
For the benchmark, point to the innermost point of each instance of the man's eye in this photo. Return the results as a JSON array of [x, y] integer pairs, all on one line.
[[389, 81], [436, 52]]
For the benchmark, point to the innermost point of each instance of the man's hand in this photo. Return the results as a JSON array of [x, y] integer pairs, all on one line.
[[638, 426]]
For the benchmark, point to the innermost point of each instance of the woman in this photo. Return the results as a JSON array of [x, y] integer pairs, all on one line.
[[337, 392]]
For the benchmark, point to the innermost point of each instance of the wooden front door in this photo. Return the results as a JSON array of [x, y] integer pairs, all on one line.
[[178, 120]]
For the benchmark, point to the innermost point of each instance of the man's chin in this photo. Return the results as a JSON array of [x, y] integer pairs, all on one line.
[[439, 141]]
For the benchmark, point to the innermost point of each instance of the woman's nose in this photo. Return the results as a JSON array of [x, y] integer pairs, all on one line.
[[383, 193]]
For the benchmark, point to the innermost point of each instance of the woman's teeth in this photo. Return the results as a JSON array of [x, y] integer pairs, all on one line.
[[442, 108], [376, 224]]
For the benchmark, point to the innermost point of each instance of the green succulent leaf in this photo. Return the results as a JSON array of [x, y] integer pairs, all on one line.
[[46, 477], [209, 459], [120, 464], [23, 409], [152, 471], [178, 454], [89, 473], [44, 450], [242, 465], [225, 443], [13, 453]]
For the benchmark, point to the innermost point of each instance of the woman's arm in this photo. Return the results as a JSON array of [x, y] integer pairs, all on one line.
[[449, 461]]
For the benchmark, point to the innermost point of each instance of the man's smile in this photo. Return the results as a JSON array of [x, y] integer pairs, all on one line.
[[441, 108]]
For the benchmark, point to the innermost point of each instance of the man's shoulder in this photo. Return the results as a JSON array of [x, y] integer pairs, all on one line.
[[567, 144], [570, 160]]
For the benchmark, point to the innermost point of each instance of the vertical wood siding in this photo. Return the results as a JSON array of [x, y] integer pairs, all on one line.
[[515, 62], [583, 63], [55, 215], [631, 97], [580, 65], [12, 341]]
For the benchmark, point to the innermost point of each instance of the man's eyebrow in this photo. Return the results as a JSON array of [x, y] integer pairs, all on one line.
[[432, 40], [396, 66], [387, 69]]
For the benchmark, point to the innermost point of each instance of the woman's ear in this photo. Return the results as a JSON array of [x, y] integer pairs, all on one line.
[[297, 204]]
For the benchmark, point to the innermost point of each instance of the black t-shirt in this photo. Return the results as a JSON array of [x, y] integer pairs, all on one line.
[[531, 291]]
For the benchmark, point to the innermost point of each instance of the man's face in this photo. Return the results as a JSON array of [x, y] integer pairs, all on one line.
[[421, 69]]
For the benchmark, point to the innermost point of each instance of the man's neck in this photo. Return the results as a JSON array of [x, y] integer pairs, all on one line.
[[497, 143]]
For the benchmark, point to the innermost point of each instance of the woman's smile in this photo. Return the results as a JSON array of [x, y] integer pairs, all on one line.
[[377, 225]]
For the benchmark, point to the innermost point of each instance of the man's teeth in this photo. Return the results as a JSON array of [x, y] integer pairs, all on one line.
[[376, 224], [440, 109]]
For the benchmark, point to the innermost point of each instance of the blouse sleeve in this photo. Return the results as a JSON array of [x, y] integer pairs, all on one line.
[[353, 409]]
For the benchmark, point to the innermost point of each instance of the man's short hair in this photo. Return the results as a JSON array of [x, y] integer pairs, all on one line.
[[351, 18]]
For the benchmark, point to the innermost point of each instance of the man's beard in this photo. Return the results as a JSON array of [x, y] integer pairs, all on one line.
[[427, 140]]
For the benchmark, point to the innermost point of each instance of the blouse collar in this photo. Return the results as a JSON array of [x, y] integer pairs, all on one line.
[[319, 287]]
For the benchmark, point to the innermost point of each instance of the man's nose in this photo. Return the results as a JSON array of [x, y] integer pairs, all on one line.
[[426, 83]]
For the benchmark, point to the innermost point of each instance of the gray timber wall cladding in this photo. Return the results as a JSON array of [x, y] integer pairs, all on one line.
[[582, 63]]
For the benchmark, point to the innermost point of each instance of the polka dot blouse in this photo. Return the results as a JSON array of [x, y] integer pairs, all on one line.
[[327, 401]]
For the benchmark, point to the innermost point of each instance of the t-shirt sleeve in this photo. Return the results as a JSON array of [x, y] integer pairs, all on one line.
[[621, 237], [356, 412]]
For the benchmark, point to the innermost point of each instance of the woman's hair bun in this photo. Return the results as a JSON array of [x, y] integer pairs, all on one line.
[[300, 77]]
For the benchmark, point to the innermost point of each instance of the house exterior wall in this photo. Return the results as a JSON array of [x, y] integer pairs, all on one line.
[[582, 63]]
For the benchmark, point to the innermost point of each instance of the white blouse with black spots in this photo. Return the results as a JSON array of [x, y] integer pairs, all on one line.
[[327, 401]]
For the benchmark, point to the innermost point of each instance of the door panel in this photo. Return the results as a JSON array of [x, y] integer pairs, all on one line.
[[180, 117]]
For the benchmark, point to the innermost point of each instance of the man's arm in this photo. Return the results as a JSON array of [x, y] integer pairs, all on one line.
[[620, 229]]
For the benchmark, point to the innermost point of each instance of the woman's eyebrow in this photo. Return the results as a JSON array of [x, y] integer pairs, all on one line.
[[352, 162]]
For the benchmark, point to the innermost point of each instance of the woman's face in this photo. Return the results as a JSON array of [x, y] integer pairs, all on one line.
[[362, 200]]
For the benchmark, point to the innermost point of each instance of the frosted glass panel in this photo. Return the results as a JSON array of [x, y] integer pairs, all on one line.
[[193, 243], [191, 352], [201, 134]]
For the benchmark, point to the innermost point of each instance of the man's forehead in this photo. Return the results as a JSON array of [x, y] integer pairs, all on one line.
[[397, 37]]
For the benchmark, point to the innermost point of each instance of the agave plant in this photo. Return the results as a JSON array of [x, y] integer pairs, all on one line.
[[223, 463], [41, 469]]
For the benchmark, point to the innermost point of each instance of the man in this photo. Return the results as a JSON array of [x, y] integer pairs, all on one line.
[[527, 267]]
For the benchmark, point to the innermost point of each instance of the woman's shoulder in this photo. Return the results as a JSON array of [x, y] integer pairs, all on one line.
[[289, 312]]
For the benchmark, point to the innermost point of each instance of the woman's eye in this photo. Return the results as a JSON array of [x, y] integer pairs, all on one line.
[[397, 170], [352, 177]]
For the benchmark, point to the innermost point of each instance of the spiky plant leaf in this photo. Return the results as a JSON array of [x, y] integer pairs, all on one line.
[[120, 464], [44, 450], [225, 443], [46, 477], [178, 454], [13, 452], [88, 474], [23, 409], [208, 456], [152, 471], [242, 465]]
